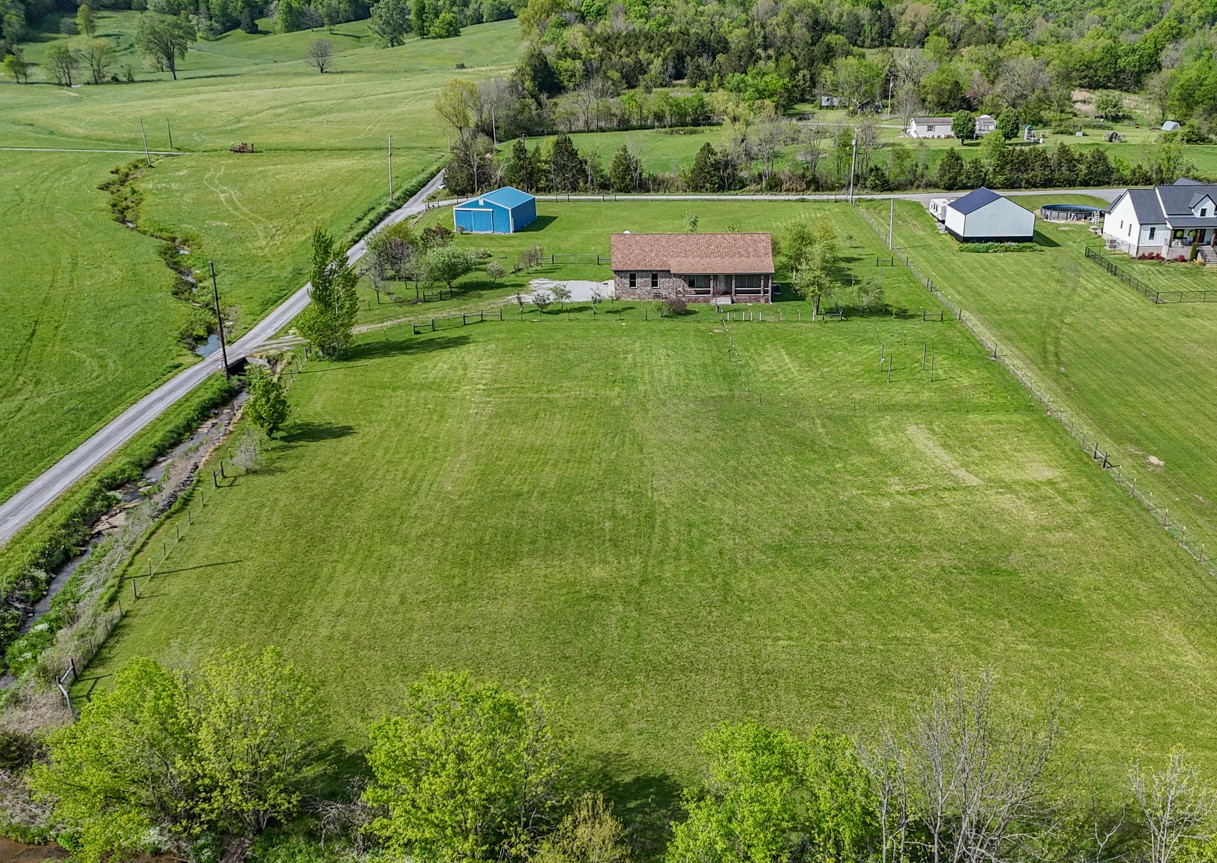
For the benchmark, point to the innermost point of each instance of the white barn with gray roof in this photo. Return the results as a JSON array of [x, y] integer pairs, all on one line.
[[985, 216], [1173, 221]]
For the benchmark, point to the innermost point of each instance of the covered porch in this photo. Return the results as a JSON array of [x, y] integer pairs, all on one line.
[[728, 287]]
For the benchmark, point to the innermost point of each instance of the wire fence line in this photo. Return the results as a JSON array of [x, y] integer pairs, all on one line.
[[1078, 430]]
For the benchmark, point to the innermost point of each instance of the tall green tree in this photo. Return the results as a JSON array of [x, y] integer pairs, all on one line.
[[390, 22], [327, 322], [811, 251], [750, 812], [963, 125], [567, 169], [446, 264], [523, 169], [17, 67], [121, 775], [706, 173], [467, 771], [164, 39], [1009, 124], [267, 406], [62, 62], [950, 170], [163, 758], [97, 53], [419, 17], [625, 172], [86, 23]]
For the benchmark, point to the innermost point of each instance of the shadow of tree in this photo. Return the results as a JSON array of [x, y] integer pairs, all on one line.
[[381, 345], [646, 801], [305, 431]]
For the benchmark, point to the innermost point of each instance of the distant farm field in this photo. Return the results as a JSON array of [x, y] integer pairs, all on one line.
[[89, 323], [1138, 374], [679, 522]]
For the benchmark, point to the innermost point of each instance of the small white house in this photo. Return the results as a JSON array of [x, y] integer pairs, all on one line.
[[830, 101], [930, 127], [1169, 221], [985, 216], [985, 124], [1171, 126]]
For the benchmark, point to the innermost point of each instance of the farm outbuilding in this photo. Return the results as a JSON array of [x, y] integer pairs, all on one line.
[[985, 216], [503, 211]]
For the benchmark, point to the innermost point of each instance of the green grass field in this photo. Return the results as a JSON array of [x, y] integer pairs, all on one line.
[[1137, 373], [672, 538], [93, 325]]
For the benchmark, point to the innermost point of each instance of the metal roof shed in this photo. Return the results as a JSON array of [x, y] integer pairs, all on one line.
[[503, 211], [984, 215]]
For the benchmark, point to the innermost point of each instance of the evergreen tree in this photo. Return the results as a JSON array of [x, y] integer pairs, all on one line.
[[1096, 168], [567, 170], [705, 175], [522, 170], [950, 170], [625, 171], [327, 321]]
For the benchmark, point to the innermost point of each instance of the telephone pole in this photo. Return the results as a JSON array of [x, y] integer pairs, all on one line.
[[169, 129], [390, 168], [215, 294], [147, 155]]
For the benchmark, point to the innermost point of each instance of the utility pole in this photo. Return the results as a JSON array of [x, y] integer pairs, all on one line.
[[494, 132], [215, 294], [853, 158], [147, 155], [170, 130], [891, 224], [390, 168]]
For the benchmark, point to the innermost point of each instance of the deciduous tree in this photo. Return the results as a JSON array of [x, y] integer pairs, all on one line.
[[86, 23], [466, 771], [17, 67], [327, 321], [164, 39], [390, 22], [446, 264], [320, 55], [97, 53], [267, 406], [62, 61], [963, 125]]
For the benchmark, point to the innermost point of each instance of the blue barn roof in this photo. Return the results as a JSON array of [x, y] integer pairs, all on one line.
[[973, 201], [504, 197]]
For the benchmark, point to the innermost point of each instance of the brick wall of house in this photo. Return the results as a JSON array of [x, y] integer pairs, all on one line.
[[669, 286]]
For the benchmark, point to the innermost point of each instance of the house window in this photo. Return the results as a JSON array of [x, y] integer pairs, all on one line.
[[633, 280], [1204, 211], [1130, 230], [654, 280], [1151, 232]]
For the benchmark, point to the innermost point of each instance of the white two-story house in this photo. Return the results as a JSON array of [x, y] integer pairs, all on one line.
[[1170, 221]]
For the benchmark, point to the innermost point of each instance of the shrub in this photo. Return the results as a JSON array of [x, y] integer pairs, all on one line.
[[672, 307], [982, 248]]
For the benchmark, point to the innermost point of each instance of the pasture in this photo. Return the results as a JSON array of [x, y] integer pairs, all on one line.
[[675, 523], [92, 324], [1135, 372]]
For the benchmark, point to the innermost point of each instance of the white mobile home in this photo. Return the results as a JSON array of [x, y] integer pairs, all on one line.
[[930, 127], [985, 124], [938, 208], [985, 216]]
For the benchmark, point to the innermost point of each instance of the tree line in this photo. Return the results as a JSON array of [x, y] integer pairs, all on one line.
[[789, 158], [239, 753]]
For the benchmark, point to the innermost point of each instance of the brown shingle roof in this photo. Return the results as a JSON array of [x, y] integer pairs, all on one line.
[[693, 254]]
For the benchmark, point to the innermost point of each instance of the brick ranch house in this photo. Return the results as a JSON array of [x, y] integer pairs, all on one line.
[[697, 268]]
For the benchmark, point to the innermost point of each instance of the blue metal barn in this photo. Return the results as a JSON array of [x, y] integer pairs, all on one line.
[[503, 211]]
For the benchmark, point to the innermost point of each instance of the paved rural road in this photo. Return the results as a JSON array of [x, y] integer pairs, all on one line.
[[23, 506]]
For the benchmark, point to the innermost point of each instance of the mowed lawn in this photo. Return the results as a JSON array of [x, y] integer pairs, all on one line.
[[89, 324], [676, 523], [1139, 374]]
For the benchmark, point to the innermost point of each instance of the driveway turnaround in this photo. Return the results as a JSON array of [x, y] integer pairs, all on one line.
[[22, 507]]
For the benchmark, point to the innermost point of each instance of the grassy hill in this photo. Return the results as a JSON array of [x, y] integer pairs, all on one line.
[[321, 161]]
